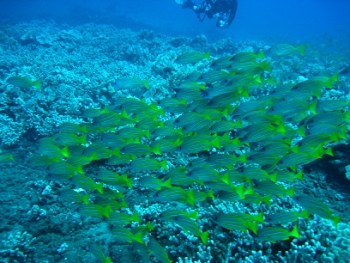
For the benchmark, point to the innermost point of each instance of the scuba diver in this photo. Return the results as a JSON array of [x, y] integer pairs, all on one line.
[[223, 10]]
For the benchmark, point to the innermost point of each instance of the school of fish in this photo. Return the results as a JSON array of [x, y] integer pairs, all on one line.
[[229, 133]]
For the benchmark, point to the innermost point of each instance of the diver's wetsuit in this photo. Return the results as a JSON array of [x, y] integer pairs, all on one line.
[[223, 10]]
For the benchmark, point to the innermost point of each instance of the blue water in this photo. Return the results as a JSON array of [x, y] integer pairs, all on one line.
[[295, 20]]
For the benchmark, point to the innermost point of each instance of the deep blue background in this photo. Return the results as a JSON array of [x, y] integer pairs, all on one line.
[[292, 20]]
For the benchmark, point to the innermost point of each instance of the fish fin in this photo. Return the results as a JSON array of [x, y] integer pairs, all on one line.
[[190, 199], [207, 54], [85, 199], [138, 238], [301, 49], [299, 176], [204, 237], [164, 165], [294, 232], [304, 214], [99, 187], [79, 170], [259, 217], [266, 200], [216, 142], [290, 191], [336, 220], [37, 84], [65, 152], [167, 183], [260, 54], [135, 217], [253, 226], [273, 177], [313, 107], [156, 149], [146, 84]]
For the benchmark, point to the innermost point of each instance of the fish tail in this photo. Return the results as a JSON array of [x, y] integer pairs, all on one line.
[[299, 176], [138, 237], [266, 200], [253, 226], [259, 217], [146, 84], [204, 237], [127, 181], [336, 220], [10, 157], [157, 150], [216, 143], [304, 214], [301, 49], [94, 157], [265, 65], [240, 191], [249, 190], [83, 129], [293, 168], [190, 197], [313, 107], [99, 188], [85, 199], [135, 217], [211, 194], [163, 164], [37, 84], [225, 178], [273, 177], [328, 151], [301, 131], [260, 54], [167, 183], [115, 152], [290, 191], [79, 170], [257, 79], [242, 158], [295, 149], [105, 211], [193, 215], [335, 77], [83, 139], [65, 152], [294, 232]]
